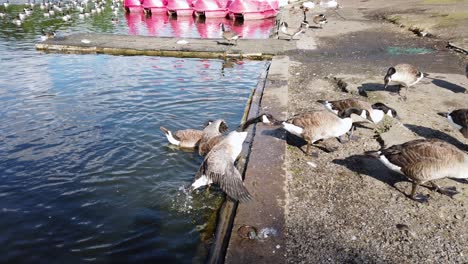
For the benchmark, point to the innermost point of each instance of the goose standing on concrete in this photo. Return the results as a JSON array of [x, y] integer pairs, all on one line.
[[376, 111], [291, 32], [425, 160], [403, 74], [320, 20], [229, 35], [316, 125], [458, 119], [218, 165], [212, 134]]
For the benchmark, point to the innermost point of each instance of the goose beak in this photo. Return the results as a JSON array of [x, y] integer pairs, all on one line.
[[443, 114]]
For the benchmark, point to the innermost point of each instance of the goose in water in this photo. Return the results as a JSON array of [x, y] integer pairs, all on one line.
[[459, 120], [218, 165], [211, 135], [185, 138], [376, 111], [317, 125], [425, 160], [229, 35], [403, 74]]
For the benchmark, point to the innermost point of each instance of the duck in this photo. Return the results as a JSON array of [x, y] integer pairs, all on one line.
[[320, 124], [289, 32], [218, 165], [425, 160], [320, 20], [212, 134], [47, 35], [376, 111], [458, 119], [229, 35], [403, 74]]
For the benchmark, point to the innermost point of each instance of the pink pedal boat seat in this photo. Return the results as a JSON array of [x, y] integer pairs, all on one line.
[[132, 5], [211, 8], [180, 7], [253, 9], [155, 6]]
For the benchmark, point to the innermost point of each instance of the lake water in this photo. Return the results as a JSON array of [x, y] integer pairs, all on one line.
[[86, 174]]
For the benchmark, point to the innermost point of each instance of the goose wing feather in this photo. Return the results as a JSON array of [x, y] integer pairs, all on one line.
[[220, 169], [432, 151]]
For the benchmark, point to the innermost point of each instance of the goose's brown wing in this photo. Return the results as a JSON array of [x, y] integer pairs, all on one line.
[[220, 169], [407, 68], [344, 104], [189, 134], [426, 151], [206, 145]]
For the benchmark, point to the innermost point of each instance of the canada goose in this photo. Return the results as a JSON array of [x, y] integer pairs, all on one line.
[[218, 165], [229, 35], [404, 74], [320, 20], [186, 138], [376, 111], [424, 160], [293, 32], [47, 35], [316, 125], [212, 134], [115, 20], [458, 119]]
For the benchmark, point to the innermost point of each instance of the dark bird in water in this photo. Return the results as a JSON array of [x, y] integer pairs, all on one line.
[[458, 119], [425, 160]]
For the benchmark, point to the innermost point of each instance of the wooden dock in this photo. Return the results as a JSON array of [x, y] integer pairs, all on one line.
[[174, 47]]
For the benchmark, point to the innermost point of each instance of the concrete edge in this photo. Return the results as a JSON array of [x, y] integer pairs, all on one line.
[[265, 178], [228, 209]]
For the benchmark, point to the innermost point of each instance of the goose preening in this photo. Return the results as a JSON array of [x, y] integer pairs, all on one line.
[[320, 20], [404, 75], [425, 160], [458, 119], [211, 135], [218, 165], [317, 125], [291, 33], [376, 111], [229, 35]]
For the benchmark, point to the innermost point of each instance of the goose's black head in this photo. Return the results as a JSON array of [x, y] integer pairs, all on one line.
[[262, 118], [388, 76], [387, 110], [357, 111]]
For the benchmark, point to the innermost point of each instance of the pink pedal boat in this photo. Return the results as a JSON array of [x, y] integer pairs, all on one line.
[[253, 9], [155, 6], [211, 8], [180, 7], [132, 6]]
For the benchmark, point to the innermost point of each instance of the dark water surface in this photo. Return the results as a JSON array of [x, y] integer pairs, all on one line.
[[85, 173]]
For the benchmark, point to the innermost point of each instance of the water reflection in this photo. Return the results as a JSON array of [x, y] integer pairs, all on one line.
[[162, 25]]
